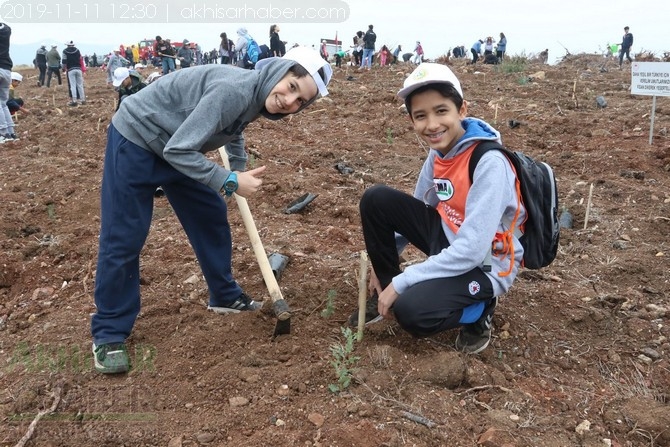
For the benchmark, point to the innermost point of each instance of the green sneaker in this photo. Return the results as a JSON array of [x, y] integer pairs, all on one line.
[[474, 338], [111, 358]]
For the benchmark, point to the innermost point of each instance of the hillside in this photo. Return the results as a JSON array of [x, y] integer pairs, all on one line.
[[580, 355]]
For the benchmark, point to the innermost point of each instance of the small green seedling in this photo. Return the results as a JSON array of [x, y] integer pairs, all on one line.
[[343, 361]]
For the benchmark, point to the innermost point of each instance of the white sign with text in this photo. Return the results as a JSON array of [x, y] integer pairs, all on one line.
[[650, 78]]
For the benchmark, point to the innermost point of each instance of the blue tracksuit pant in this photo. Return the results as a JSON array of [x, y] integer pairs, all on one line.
[[130, 177]]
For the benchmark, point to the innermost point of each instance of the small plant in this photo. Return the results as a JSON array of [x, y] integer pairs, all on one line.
[[252, 161], [343, 361], [389, 136], [329, 310]]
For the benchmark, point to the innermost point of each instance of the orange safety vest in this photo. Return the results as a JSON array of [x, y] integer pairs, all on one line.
[[452, 186]]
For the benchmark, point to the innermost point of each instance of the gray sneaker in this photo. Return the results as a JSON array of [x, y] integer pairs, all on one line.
[[241, 304], [474, 338]]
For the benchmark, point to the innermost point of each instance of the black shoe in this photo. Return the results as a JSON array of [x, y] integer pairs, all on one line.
[[474, 338], [241, 304], [371, 313], [159, 192]]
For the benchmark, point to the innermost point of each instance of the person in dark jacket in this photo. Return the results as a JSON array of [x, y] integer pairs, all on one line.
[[277, 47], [6, 65], [626, 44], [74, 65], [41, 61]]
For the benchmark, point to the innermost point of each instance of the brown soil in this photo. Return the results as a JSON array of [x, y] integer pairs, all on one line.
[[580, 356]]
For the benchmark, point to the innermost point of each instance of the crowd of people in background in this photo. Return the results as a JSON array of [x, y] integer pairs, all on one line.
[[162, 55]]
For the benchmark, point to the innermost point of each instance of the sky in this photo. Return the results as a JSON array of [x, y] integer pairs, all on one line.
[[578, 26]]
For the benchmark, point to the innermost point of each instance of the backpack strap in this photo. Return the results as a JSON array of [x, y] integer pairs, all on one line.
[[481, 148]]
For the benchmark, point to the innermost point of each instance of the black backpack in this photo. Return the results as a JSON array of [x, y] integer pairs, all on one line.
[[539, 196]]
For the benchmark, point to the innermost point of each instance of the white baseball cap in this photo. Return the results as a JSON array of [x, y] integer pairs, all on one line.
[[120, 74], [17, 76], [311, 61], [429, 73]]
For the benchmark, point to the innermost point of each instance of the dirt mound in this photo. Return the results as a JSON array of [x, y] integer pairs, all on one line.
[[580, 354]]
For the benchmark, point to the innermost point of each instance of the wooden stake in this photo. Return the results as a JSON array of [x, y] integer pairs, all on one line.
[[362, 293], [588, 207], [495, 116]]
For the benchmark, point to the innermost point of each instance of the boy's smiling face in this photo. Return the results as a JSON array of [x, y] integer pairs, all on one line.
[[290, 94], [437, 120]]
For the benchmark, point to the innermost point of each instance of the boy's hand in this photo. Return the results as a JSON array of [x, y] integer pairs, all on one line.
[[386, 300], [248, 182]]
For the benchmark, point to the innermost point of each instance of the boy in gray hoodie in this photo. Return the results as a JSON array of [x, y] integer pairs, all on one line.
[[159, 137], [464, 227]]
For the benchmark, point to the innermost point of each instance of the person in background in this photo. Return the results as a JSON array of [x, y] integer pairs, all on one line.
[[75, 68], [339, 55], [626, 45], [185, 54], [165, 51], [384, 55], [476, 50], [544, 56], [224, 49], [369, 40], [41, 61], [241, 46], [488, 46], [450, 218], [53, 65], [277, 46], [6, 65], [160, 136], [358, 48], [324, 50], [501, 48], [14, 103], [115, 61], [127, 82], [396, 54], [418, 53]]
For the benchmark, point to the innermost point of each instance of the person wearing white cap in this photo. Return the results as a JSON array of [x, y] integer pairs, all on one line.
[[160, 137], [127, 82], [14, 103], [451, 218]]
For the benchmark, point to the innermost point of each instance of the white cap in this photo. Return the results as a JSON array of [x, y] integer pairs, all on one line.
[[138, 65], [429, 73], [120, 74], [17, 76], [311, 61]]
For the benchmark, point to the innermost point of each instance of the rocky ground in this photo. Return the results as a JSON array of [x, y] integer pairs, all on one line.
[[580, 355]]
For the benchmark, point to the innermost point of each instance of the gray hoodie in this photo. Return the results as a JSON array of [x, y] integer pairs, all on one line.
[[490, 206], [186, 113]]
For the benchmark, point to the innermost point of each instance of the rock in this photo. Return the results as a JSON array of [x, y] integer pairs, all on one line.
[[205, 438], [651, 353], [238, 401], [193, 279], [175, 442], [583, 427], [316, 419], [283, 390]]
